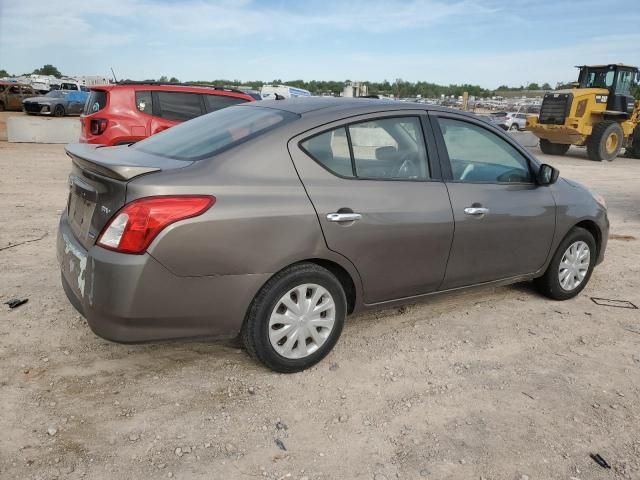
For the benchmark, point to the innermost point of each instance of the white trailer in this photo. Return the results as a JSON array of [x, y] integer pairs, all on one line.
[[270, 91]]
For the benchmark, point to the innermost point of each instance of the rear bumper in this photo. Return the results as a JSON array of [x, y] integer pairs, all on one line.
[[133, 298]]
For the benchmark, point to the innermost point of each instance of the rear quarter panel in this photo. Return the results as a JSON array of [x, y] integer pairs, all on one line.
[[262, 220]]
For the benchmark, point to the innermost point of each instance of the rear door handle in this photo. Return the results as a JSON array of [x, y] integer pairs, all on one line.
[[343, 217], [476, 211]]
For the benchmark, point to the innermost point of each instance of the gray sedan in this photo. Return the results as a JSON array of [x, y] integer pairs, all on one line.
[[274, 220], [57, 103]]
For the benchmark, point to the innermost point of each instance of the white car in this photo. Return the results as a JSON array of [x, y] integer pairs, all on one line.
[[514, 121]]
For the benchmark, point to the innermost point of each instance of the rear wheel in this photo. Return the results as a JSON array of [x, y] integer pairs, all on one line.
[[296, 318], [514, 126], [571, 266], [605, 141], [550, 148], [58, 111]]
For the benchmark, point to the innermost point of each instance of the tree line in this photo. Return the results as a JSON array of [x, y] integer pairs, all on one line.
[[398, 88]]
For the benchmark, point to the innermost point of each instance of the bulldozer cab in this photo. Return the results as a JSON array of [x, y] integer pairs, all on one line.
[[617, 79]]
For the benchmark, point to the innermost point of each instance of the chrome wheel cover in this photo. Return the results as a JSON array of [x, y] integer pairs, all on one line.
[[574, 265], [302, 320]]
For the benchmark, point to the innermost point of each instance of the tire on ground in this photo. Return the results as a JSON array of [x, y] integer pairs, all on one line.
[[605, 141], [549, 284], [255, 330], [550, 148]]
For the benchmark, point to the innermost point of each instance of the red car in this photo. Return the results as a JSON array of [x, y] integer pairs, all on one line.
[[130, 111]]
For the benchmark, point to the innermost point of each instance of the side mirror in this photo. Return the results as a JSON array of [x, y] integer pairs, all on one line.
[[547, 175]]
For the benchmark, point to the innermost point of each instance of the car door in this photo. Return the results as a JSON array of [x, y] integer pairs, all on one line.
[[14, 98], [379, 199], [504, 221]]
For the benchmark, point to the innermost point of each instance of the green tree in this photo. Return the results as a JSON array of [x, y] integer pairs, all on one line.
[[48, 69], [546, 86], [174, 80], [533, 86], [4, 73], [163, 79]]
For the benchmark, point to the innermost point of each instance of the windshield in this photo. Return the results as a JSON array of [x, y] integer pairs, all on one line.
[[209, 134], [602, 78], [55, 94]]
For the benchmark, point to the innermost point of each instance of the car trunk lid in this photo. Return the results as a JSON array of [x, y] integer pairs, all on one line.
[[98, 184]]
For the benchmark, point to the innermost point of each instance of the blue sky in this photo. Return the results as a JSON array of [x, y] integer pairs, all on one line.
[[486, 42]]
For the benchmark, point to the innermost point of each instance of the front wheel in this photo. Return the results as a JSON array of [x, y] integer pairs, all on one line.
[[58, 111], [296, 318], [605, 141], [514, 126], [571, 266]]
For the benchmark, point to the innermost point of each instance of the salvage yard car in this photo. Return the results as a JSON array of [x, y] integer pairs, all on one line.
[[129, 111], [57, 103], [12, 94], [276, 219]]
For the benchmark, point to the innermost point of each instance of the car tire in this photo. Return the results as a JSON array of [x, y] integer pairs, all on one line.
[[58, 111], [262, 334], [551, 283], [605, 141], [550, 148], [514, 126]]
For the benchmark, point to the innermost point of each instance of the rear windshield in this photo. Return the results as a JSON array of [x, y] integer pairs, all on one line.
[[97, 101], [209, 134]]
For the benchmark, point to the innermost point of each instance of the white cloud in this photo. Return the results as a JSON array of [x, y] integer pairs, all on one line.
[[330, 39]]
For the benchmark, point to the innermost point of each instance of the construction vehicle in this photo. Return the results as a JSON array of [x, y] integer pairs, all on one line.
[[599, 113]]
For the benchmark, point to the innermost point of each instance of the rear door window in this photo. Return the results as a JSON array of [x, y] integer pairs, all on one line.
[[386, 148], [144, 101], [96, 101], [331, 150], [390, 148], [179, 106], [216, 102]]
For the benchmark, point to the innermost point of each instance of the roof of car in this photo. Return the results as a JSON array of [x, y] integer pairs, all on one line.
[[607, 65], [306, 105], [173, 87]]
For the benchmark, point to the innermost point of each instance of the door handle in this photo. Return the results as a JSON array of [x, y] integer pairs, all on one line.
[[476, 211], [343, 217]]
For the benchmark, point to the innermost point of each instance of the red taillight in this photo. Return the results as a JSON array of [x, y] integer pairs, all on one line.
[[135, 226], [97, 126]]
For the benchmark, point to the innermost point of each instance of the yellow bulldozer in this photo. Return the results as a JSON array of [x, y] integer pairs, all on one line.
[[599, 113]]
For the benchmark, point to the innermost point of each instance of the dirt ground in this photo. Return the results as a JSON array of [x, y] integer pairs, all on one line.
[[495, 384]]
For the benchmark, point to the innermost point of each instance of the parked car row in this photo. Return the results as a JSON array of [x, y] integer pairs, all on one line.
[[126, 112]]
